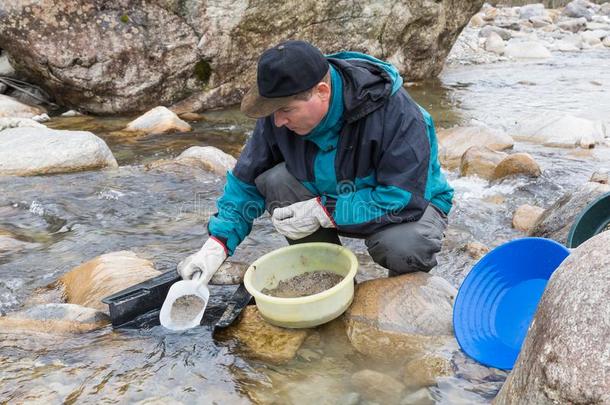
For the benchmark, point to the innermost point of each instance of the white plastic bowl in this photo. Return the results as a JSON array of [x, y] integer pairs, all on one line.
[[287, 262]]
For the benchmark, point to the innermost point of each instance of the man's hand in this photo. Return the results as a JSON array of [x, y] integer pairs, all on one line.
[[206, 261], [301, 219]]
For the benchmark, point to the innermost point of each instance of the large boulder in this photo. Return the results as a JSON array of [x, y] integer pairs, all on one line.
[[556, 221], [119, 57], [455, 141], [104, 275], [9, 107], [565, 358], [104, 57], [400, 316], [31, 151], [578, 9]]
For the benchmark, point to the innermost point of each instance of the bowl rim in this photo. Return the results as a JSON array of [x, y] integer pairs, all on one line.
[[348, 278]]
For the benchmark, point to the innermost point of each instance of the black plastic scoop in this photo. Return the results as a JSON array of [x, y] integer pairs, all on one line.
[[138, 306]]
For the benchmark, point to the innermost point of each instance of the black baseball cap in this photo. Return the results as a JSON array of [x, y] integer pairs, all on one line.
[[283, 71]]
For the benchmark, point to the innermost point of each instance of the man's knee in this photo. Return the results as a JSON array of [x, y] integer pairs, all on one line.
[[280, 188], [404, 253]]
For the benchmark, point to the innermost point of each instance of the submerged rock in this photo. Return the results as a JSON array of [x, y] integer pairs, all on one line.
[[32, 151], [208, 158], [6, 123], [565, 131], [159, 120], [480, 161], [400, 316], [556, 221], [423, 370], [9, 107], [54, 318], [265, 341], [378, 387], [525, 217], [565, 357], [230, 272], [104, 275], [517, 164], [9, 243], [454, 142]]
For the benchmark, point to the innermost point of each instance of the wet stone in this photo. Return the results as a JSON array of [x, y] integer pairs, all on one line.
[[305, 284]]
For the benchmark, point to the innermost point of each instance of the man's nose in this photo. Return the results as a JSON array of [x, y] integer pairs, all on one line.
[[279, 119]]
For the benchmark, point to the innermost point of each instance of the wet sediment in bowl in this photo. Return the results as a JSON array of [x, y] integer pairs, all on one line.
[[305, 284]]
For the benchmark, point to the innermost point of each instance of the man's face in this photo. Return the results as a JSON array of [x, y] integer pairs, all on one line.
[[301, 116]]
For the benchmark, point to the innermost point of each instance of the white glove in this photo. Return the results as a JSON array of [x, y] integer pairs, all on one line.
[[301, 219], [206, 261]]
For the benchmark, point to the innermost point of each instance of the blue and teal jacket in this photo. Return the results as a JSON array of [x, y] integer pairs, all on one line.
[[372, 159]]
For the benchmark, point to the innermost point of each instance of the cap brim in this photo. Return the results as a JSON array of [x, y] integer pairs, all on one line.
[[256, 106]]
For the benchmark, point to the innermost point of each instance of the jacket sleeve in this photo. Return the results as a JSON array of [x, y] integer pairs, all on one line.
[[241, 203], [401, 169]]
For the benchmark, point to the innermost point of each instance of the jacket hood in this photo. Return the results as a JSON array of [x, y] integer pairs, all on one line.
[[368, 82]]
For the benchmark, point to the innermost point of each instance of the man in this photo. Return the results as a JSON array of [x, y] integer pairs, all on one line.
[[339, 148]]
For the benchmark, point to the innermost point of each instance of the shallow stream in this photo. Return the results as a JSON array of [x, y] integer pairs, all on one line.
[[70, 218]]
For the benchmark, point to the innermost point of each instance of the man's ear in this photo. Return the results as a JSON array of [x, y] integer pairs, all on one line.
[[323, 90]]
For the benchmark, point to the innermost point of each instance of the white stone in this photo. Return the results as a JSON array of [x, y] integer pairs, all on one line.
[[157, 121], [495, 44], [41, 118], [32, 151], [526, 50], [71, 113], [6, 123], [606, 42], [565, 131], [570, 43], [211, 158], [5, 67], [572, 24], [532, 10], [9, 107]]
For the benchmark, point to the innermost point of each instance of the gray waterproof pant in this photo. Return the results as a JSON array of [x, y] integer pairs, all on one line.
[[400, 248]]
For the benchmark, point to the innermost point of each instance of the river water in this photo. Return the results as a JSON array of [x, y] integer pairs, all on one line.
[[70, 218]]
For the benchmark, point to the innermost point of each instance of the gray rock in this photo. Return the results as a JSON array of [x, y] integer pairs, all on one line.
[[129, 57], [12, 108], [487, 30], [565, 358], [578, 9], [6, 69], [208, 158], [556, 221], [230, 273], [605, 9], [31, 151], [573, 24], [532, 10], [495, 44], [600, 177], [54, 318], [526, 50], [3, 88], [6, 123]]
